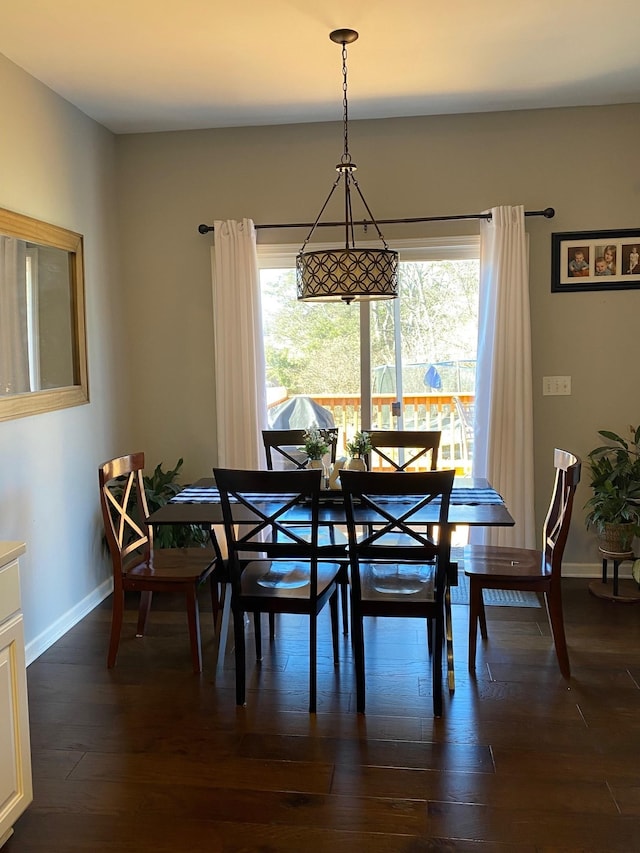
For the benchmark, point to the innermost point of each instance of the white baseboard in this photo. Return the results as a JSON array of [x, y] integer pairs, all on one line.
[[594, 570], [60, 627]]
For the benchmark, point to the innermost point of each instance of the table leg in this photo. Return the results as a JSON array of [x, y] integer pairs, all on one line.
[[452, 580], [448, 627], [223, 627]]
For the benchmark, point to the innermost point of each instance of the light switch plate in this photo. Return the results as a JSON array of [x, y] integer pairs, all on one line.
[[553, 386]]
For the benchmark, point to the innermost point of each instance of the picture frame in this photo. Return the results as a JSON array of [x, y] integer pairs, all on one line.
[[595, 260]]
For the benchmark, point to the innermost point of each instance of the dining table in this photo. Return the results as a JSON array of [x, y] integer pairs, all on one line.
[[473, 503]]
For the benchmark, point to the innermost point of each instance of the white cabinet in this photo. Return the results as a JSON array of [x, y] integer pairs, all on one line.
[[15, 752]]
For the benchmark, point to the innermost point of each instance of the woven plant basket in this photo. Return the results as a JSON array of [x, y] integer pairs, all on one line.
[[617, 538]]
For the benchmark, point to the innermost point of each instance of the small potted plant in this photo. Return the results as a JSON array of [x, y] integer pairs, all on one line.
[[316, 446], [357, 448], [614, 507]]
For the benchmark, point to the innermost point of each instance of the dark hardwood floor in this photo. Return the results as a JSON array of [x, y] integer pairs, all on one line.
[[149, 757]]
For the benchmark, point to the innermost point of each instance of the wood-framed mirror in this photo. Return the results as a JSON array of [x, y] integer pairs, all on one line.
[[43, 347]]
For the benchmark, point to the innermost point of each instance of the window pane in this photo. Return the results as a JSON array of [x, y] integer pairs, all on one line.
[[311, 349]]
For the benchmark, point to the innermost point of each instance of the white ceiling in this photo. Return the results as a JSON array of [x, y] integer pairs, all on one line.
[[148, 65]]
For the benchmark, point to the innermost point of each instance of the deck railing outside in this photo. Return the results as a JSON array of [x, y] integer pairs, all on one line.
[[420, 411]]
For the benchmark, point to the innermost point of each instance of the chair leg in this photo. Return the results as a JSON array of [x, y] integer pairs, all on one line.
[[482, 618], [214, 589], [313, 661], [116, 627], [436, 663], [333, 607], [344, 591], [143, 612], [257, 630], [553, 601], [238, 633], [475, 605], [193, 617], [357, 632], [272, 626]]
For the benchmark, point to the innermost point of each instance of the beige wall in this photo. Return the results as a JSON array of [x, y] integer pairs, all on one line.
[[57, 165], [580, 161]]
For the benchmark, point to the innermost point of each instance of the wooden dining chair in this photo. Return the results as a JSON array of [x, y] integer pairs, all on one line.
[[500, 567], [137, 565], [275, 565], [404, 450], [285, 447], [398, 568]]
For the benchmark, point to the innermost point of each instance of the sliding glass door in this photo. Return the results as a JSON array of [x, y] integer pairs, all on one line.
[[407, 363]]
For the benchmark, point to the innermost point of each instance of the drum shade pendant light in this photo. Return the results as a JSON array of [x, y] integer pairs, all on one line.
[[348, 273]]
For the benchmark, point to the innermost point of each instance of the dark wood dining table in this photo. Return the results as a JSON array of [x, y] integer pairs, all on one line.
[[474, 503]]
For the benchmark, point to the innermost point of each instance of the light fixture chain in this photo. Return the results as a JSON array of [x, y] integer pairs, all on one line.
[[328, 275], [346, 156]]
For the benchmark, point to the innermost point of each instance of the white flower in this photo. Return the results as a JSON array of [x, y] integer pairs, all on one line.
[[315, 442]]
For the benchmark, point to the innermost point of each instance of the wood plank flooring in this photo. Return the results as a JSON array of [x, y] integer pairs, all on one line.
[[149, 757]]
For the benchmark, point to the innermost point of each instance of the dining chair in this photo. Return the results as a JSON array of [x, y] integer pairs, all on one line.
[[137, 565], [404, 450], [501, 567], [398, 568], [285, 447], [275, 565]]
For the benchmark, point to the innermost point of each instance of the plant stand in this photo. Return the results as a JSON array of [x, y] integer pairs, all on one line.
[[625, 591]]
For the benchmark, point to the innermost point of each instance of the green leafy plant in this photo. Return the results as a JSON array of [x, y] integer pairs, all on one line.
[[159, 488], [359, 445], [316, 443], [615, 481]]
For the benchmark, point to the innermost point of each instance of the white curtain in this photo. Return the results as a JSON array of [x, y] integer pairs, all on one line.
[[239, 350], [14, 359], [503, 445]]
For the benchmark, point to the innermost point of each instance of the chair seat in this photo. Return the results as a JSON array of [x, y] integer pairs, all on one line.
[[173, 565], [497, 563], [288, 578]]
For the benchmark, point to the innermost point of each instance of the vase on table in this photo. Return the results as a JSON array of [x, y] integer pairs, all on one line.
[[319, 464], [356, 463]]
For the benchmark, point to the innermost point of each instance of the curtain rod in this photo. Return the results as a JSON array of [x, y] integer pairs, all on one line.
[[548, 213]]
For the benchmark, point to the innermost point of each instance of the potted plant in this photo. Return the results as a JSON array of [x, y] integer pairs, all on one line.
[[357, 448], [316, 446], [614, 507]]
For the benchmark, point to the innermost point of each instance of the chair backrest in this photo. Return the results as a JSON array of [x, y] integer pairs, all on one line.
[[384, 522], [556, 524], [288, 445], [257, 508], [414, 449], [124, 509]]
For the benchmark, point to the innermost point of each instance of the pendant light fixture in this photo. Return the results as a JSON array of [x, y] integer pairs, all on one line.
[[347, 273]]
